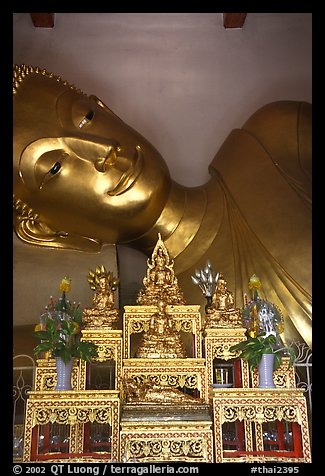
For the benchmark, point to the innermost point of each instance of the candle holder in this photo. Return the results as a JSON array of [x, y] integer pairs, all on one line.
[[222, 376]]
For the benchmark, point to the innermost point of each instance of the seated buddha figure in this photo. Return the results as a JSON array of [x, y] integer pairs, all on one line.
[[162, 273], [160, 282], [222, 312], [161, 341], [103, 312]]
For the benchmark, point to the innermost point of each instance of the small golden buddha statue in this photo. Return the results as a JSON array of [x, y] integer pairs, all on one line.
[[161, 341], [103, 312], [150, 392], [222, 312], [160, 281]]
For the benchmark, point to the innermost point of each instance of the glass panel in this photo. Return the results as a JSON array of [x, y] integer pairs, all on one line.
[[18, 442], [270, 436], [100, 438], [277, 435], [223, 372], [232, 435], [101, 375], [53, 438]]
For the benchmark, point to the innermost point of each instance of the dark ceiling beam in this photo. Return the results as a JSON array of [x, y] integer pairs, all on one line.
[[234, 20], [43, 20]]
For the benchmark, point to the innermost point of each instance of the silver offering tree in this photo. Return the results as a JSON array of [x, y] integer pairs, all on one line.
[[207, 280]]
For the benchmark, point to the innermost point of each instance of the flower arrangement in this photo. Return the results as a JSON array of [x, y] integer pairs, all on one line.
[[60, 329], [253, 348], [264, 322]]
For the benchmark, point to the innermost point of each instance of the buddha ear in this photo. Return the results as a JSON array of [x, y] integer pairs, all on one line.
[[30, 229]]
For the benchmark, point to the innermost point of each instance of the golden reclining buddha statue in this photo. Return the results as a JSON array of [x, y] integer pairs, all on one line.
[[84, 178], [150, 392]]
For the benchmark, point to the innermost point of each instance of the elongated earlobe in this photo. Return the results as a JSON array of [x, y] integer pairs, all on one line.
[[30, 229]]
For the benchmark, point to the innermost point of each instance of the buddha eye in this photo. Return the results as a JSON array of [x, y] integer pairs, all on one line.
[[52, 172], [88, 117], [56, 167]]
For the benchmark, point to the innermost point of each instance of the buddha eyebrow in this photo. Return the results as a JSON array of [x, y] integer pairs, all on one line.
[[88, 117]]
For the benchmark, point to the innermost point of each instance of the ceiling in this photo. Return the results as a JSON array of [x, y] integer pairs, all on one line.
[[47, 20]]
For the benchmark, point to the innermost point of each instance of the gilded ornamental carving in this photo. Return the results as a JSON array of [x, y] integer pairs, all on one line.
[[164, 405]]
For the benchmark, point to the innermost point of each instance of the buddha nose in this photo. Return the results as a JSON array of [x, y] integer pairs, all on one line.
[[102, 163], [101, 154]]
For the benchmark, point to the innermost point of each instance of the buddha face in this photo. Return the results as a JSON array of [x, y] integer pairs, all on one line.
[[80, 167]]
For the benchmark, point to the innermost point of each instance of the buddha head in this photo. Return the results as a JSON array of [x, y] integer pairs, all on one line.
[[81, 175]]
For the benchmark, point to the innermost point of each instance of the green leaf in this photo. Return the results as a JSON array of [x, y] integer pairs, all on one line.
[[234, 348], [50, 325], [64, 353], [247, 355], [270, 340], [86, 351], [43, 335], [77, 316], [268, 350], [254, 362], [64, 326], [71, 327], [277, 361], [43, 347]]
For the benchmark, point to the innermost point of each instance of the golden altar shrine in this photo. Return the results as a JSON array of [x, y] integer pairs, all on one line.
[[251, 409], [164, 400]]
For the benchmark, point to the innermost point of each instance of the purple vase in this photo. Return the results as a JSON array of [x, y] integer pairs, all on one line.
[[63, 373], [265, 371]]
